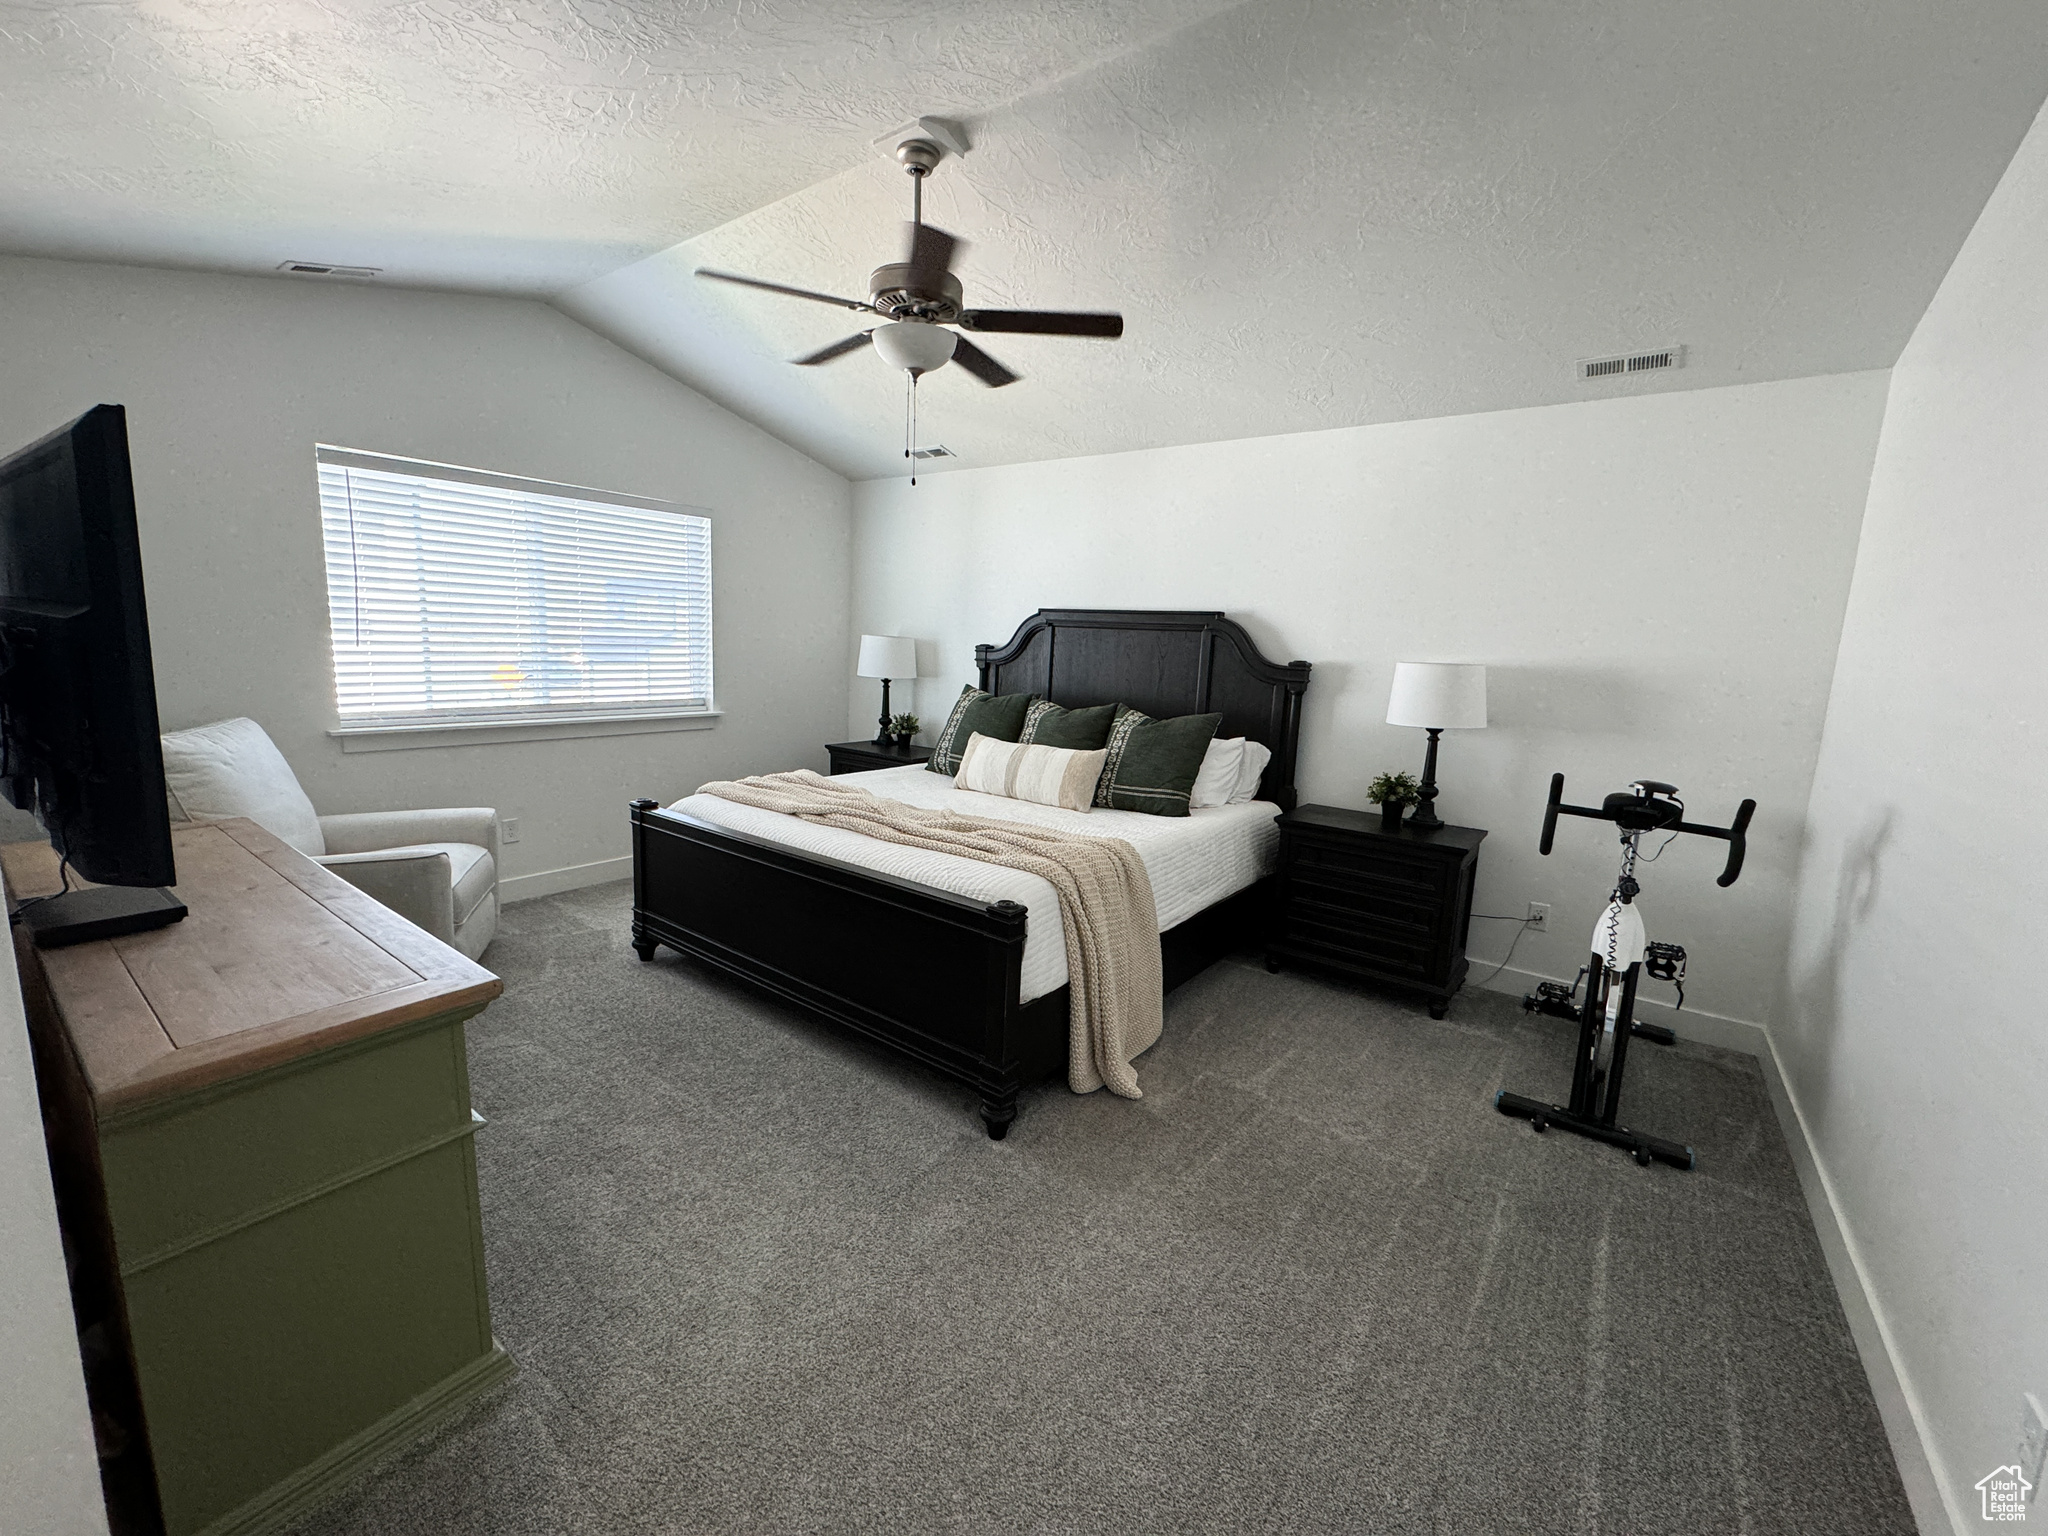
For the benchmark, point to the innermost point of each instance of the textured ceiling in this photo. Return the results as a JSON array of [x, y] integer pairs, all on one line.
[[1311, 214], [498, 145], [1320, 214]]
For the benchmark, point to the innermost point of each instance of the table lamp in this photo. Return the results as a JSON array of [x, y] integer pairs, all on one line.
[[887, 656], [1437, 696]]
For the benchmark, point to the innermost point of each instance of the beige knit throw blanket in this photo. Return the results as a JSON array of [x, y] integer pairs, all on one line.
[[1107, 917]]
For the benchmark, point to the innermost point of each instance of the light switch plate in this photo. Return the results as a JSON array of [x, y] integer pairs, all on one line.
[[2033, 1443]]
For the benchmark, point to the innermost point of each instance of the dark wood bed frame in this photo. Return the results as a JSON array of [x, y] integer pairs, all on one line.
[[930, 974]]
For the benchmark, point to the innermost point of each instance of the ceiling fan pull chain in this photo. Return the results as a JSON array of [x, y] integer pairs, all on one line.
[[910, 421]]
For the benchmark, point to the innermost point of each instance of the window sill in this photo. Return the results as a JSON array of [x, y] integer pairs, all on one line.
[[484, 733]]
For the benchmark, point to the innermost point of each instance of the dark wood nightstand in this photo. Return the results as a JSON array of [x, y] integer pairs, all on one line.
[[860, 756], [1388, 906]]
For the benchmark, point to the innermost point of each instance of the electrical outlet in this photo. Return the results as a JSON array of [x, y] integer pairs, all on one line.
[[508, 828], [1539, 916], [2033, 1443]]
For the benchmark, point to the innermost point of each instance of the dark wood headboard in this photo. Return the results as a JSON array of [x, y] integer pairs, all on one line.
[[1163, 662]]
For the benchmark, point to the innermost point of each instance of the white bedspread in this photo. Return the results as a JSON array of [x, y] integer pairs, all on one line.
[[1194, 861]]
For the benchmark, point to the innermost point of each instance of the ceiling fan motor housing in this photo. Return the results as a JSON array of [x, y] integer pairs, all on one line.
[[890, 290]]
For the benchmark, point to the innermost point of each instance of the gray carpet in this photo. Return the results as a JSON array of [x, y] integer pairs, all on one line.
[[759, 1279]]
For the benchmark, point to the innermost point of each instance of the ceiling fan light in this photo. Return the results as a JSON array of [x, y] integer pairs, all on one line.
[[916, 345]]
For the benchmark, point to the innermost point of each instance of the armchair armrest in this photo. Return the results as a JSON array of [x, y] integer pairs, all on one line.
[[416, 883], [370, 831]]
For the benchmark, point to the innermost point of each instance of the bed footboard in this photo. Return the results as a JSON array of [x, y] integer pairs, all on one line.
[[930, 974]]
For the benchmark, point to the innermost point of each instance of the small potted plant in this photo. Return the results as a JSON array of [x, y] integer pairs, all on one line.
[[1393, 793], [903, 728]]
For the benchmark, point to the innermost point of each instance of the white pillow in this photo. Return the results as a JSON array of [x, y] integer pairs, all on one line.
[[231, 768], [1061, 776], [1249, 773], [1221, 769]]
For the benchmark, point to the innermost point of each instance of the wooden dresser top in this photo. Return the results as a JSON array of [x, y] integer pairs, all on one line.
[[278, 958]]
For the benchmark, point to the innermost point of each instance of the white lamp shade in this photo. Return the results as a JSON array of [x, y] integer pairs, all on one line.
[[914, 344], [1438, 695], [887, 656]]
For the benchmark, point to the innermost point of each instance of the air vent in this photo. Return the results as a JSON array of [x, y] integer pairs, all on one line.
[[936, 451], [1631, 362], [325, 269]]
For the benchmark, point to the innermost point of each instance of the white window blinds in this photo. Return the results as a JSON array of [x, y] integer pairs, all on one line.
[[462, 596]]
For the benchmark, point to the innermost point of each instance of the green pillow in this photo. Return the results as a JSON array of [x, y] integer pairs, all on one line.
[[998, 717], [1152, 764], [1046, 724]]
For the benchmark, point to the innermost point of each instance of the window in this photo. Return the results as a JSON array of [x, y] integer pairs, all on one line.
[[459, 597]]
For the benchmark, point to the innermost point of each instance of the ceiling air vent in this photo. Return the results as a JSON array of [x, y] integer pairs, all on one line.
[[325, 269], [1631, 362], [936, 451]]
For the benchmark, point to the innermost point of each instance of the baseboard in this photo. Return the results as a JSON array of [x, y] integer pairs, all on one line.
[[572, 878], [311, 1484], [1904, 1425]]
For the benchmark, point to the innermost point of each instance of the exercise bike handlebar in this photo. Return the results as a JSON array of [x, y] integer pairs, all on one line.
[[1557, 808], [1735, 834], [1550, 811]]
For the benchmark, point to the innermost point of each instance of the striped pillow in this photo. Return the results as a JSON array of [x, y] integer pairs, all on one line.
[[1058, 776], [1153, 764]]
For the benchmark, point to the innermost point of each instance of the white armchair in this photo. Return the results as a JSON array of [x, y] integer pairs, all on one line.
[[438, 868]]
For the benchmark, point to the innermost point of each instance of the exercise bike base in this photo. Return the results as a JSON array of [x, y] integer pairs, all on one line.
[[1645, 1148]]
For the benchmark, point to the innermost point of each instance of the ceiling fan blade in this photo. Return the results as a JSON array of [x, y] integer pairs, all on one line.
[[837, 349], [981, 365], [931, 255], [1043, 322], [795, 293]]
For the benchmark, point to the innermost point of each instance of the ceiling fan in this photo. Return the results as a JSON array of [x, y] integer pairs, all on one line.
[[918, 298]]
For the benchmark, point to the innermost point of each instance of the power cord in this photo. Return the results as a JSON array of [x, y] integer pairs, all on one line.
[[64, 876], [1652, 858], [1501, 917]]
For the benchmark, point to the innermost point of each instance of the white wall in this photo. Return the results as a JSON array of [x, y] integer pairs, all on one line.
[[1656, 584], [230, 381], [1911, 1032], [49, 1473]]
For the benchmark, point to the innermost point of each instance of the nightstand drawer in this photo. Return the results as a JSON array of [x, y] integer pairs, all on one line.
[[1365, 902], [1349, 939], [1312, 908], [1386, 863], [1379, 890]]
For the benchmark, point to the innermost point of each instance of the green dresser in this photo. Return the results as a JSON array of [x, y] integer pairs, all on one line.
[[263, 1142]]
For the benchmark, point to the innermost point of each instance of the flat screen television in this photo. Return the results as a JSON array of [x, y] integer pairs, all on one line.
[[78, 725]]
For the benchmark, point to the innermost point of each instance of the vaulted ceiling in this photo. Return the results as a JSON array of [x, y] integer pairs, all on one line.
[[1312, 213]]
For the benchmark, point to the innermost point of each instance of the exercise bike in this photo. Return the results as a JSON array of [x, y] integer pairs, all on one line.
[[1621, 955]]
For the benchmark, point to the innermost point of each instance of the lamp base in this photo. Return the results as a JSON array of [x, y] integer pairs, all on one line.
[[1425, 818], [882, 730]]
